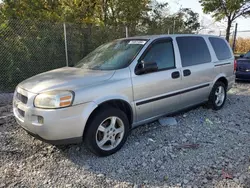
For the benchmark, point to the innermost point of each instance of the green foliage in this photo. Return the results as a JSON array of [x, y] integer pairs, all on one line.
[[184, 21], [190, 19], [97, 12], [226, 8], [81, 11], [32, 39], [83, 39], [28, 48], [32, 9]]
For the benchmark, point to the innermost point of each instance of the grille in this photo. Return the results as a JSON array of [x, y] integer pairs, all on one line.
[[21, 112], [22, 98]]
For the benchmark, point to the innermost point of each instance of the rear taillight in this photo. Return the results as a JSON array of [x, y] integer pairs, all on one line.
[[235, 65]]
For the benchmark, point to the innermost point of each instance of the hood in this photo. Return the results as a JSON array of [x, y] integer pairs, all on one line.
[[67, 78]]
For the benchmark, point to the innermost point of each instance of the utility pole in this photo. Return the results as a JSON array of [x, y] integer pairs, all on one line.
[[66, 47], [235, 35], [126, 29], [174, 26]]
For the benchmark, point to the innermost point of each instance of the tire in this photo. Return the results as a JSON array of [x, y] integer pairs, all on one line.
[[95, 134], [213, 102]]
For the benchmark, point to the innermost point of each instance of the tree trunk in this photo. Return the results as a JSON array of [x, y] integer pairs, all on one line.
[[229, 25]]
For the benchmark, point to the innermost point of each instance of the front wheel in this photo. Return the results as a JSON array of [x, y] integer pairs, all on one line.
[[218, 96], [107, 131]]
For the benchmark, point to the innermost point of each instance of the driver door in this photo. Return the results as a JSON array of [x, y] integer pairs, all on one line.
[[155, 93]]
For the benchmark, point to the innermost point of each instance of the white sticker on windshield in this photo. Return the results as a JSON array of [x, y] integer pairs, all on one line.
[[142, 42]]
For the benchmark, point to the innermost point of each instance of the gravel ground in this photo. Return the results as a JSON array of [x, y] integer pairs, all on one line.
[[205, 149], [5, 98]]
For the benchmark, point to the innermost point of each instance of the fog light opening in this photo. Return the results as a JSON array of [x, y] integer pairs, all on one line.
[[40, 119]]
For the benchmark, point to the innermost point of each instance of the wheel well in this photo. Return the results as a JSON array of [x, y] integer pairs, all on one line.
[[223, 80], [120, 104]]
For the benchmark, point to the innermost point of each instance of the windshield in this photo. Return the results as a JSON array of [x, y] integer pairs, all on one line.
[[247, 55], [111, 56]]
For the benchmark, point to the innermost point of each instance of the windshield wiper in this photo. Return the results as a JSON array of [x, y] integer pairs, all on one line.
[[97, 67]]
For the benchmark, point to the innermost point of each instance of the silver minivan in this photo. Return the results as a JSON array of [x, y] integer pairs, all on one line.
[[123, 84]]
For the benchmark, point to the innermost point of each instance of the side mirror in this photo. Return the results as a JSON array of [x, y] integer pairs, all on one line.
[[242, 55], [146, 67]]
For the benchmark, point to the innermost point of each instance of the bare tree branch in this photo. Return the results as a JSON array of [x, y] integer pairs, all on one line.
[[242, 12]]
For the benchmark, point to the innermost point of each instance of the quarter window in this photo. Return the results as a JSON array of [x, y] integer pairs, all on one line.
[[193, 50], [221, 48]]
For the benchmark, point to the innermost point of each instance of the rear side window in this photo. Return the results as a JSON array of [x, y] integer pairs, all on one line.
[[247, 54], [193, 50], [221, 48]]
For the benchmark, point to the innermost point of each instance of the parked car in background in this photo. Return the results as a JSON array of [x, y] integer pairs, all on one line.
[[247, 55], [243, 67], [123, 84]]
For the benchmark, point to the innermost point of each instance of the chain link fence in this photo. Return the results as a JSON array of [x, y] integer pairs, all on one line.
[[32, 47], [28, 48], [83, 39]]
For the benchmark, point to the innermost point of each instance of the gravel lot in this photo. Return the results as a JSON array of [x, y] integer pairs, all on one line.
[[205, 149]]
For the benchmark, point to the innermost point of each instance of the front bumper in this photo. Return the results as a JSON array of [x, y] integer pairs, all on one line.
[[56, 126], [56, 142]]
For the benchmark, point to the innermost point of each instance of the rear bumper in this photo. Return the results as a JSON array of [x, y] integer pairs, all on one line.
[[243, 75]]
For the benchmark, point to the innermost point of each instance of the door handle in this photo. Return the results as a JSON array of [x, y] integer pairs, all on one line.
[[175, 74], [186, 72]]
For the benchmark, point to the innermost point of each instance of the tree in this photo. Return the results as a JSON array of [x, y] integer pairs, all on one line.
[[189, 20], [226, 9], [160, 21], [31, 9], [154, 22], [31, 31]]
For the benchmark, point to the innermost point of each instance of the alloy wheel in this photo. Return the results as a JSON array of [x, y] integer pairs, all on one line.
[[220, 96], [110, 133]]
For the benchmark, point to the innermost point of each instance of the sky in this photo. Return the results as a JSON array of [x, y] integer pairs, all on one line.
[[243, 23]]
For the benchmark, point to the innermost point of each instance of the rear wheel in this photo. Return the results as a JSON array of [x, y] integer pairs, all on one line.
[[107, 131], [218, 96]]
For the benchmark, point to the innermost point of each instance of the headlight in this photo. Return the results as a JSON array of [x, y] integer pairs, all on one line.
[[54, 99]]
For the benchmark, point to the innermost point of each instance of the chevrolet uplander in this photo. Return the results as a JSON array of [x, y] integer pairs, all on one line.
[[123, 84]]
